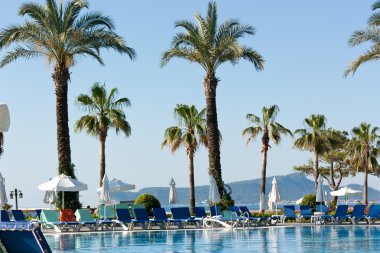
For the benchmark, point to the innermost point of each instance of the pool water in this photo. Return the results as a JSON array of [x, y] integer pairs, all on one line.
[[270, 239]]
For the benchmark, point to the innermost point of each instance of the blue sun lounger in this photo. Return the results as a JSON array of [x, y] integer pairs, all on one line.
[[141, 218], [357, 214], [305, 213], [183, 214], [161, 218], [373, 214], [289, 213], [200, 212], [4, 217], [123, 218], [338, 217], [18, 215]]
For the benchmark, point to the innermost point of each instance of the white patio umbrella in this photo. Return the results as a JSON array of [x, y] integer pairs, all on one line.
[[104, 195], [346, 192], [298, 201], [320, 193], [213, 194], [173, 196], [263, 202], [118, 189], [50, 197], [271, 204], [117, 185], [63, 183], [275, 194], [3, 193]]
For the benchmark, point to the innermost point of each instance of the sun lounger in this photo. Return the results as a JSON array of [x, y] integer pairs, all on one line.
[[50, 219], [215, 210], [257, 221], [338, 217], [289, 213], [161, 218], [373, 214], [200, 212], [305, 213], [123, 218], [84, 215], [322, 209], [110, 212], [18, 215], [141, 218], [67, 215], [183, 214], [357, 214], [4, 217], [227, 219]]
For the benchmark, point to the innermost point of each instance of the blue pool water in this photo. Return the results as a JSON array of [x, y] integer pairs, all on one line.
[[308, 239]]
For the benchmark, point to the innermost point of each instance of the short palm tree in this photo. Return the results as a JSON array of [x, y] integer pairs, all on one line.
[[61, 35], [271, 131], [363, 151], [314, 138], [105, 113], [369, 34], [210, 46], [190, 132]]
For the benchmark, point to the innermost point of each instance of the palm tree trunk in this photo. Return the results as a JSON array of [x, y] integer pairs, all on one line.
[[316, 172], [61, 76], [102, 139], [365, 192], [191, 181], [210, 83], [265, 142]]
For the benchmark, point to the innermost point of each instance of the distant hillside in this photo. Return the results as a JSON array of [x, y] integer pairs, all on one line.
[[291, 187]]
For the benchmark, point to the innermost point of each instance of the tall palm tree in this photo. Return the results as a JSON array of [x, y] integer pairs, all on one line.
[[61, 35], [190, 132], [105, 113], [369, 34], [211, 45], [271, 131], [363, 151], [314, 139]]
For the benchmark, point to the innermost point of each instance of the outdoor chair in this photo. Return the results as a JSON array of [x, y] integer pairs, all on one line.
[[322, 209], [50, 219], [84, 215], [373, 214], [227, 219], [338, 217], [305, 213], [183, 214], [289, 213], [215, 210], [200, 212], [4, 217], [160, 217], [110, 212], [142, 218], [357, 214], [262, 220], [123, 218], [18, 215]]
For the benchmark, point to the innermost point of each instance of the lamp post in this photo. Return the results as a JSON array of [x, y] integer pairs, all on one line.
[[17, 194]]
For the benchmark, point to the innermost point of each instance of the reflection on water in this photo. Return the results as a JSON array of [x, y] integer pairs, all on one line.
[[269, 239]]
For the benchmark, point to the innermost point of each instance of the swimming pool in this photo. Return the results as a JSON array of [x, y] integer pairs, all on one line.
[[273, 239]]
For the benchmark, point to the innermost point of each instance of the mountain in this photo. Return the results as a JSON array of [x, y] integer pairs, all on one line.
[[291, 188]]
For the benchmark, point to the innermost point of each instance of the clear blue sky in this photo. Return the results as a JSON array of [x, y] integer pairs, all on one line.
[[304, 45]]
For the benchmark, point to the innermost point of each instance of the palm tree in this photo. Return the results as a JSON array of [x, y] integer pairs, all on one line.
[[363, 151], [314, 138], [271, 131], [61, 35], [190, 132], [211, 45], [369, 34], [105, 112]]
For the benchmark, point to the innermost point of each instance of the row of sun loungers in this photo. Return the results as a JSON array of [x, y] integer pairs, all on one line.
[[341, 214]]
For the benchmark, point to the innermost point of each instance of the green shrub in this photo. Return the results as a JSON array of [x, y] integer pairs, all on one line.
[[309, 199], [149, 201]]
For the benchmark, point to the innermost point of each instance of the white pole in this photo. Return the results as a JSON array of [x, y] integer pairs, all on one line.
[[63, 200]]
